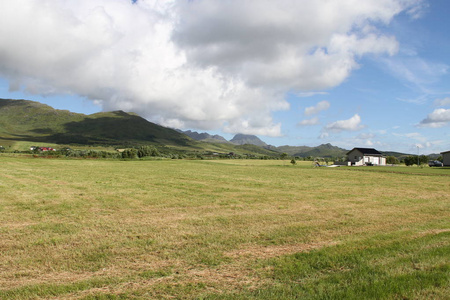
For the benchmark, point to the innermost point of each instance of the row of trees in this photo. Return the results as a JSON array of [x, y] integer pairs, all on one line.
[[415, 160], [312, 158], [129, 153], [140, 152], [410, 160]]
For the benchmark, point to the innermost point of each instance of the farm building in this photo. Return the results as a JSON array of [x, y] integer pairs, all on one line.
[[446, 158], [33, 148], [365, 156]]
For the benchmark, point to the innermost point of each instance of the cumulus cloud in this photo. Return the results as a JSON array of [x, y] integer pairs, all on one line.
[[442, 102], [312, 110], [438, 118], [352, 124], [191, 64], [300, 45], [309, 122]]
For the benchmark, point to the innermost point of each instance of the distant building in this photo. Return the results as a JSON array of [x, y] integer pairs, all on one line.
[[446, 158], [365, 156], [43, 149]]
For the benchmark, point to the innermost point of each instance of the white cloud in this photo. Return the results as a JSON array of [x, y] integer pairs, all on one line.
[[352, 124], [324, 135], [442, 102], [309, 122], [368, 143], [438, 118], [191, 64], [322, 105]]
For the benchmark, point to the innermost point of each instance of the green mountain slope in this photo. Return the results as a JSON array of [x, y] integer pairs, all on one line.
[[32, 121], [325, 150], [244, 139], [292, 150]]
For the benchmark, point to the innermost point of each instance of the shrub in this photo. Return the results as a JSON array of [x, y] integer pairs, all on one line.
[[410, 160], [392, 160], [129, 153], [143, 151]]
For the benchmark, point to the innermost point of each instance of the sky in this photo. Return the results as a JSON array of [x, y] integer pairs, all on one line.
[[372, 73]]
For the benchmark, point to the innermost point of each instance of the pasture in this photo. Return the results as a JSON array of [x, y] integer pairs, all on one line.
[[221, 229]]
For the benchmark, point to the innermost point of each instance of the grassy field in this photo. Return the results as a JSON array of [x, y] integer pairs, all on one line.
[[221, 229]]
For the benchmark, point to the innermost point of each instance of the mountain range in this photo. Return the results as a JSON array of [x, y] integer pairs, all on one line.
[[238, 139], [324, 150], [204, 136], [24, 120]]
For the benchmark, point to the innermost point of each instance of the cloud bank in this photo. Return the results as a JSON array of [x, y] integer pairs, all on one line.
[[438, 118], [192, 64]]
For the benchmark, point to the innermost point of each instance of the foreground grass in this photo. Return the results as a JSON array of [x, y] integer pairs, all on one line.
[[228, 229]]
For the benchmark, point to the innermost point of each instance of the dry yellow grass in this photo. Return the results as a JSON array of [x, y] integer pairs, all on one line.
[[74, 228]]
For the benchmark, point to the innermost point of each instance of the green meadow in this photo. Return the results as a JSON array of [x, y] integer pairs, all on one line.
[[221, 229]]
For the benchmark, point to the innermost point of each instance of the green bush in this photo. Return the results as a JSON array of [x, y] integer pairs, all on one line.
[[130, 153], [392, 160], [143, 151]]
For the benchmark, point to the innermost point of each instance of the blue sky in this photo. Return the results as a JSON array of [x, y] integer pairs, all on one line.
[[294, 73]]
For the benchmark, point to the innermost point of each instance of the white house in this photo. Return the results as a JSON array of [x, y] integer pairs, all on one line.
[[365, 156], [446, 158]]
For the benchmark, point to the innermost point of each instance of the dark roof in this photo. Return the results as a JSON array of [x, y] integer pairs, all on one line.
[[366, 151]]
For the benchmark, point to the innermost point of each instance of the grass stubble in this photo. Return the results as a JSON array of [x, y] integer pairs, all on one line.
[[232, 229]]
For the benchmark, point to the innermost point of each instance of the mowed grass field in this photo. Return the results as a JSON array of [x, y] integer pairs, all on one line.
[[221, 229]]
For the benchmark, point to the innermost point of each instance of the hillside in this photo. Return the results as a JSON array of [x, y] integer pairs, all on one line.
[[324, 150], [25, 120], [243, 139]]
